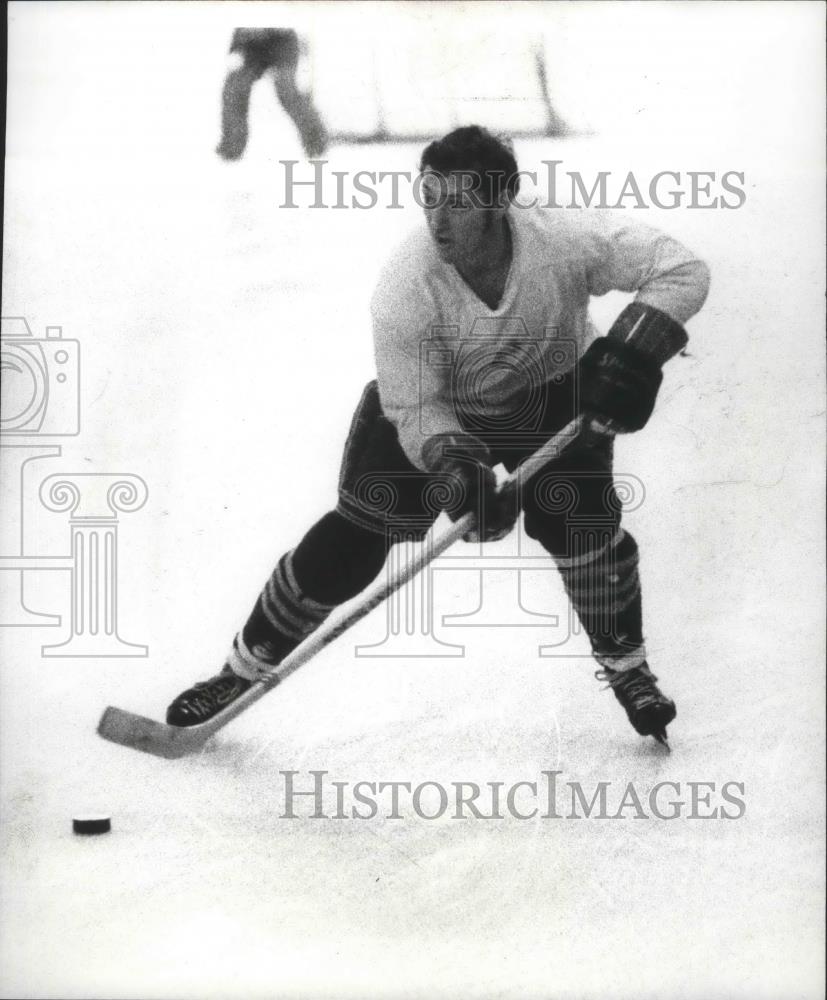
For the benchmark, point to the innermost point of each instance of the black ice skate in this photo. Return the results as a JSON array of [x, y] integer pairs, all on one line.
[[648, 708], [204, 700]]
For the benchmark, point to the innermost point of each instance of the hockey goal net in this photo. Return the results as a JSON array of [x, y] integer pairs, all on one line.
[[416, 80]]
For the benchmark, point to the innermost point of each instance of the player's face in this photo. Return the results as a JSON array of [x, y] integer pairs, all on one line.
[[458, 223]]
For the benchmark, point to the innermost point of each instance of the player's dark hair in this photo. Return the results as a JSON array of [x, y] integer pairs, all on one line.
[[488, 162]]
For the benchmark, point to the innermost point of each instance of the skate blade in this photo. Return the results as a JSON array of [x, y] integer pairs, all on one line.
[[156, 738], [661, 738]]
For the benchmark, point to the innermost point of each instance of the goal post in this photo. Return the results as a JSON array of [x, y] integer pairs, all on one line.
[[412, 82]]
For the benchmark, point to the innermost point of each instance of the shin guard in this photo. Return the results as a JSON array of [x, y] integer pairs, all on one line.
[[282, 617], [604, 589]]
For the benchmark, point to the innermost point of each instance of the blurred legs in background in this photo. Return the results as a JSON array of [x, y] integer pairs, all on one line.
[[264, 49]]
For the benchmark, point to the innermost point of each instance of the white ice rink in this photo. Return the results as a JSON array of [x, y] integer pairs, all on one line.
[[224, 344]]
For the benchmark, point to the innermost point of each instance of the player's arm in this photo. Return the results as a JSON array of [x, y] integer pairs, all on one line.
[[620, 374], [416, 398], [415, 395]]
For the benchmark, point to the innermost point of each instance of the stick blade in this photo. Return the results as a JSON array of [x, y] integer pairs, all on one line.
[[156, 738]]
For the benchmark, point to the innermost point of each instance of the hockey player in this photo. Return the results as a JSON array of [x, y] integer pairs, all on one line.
[[470, 316], [265, 49]]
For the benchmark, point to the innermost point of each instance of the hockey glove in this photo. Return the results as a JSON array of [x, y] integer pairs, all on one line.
[[620, 375], [467, 461]]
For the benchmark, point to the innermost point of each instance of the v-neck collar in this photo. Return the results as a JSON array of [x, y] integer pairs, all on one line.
[[512, 229]]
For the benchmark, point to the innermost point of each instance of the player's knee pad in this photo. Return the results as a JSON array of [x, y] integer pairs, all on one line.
[[334, 561], [337, 559], [575, 511], [551, 533], [565, 539]]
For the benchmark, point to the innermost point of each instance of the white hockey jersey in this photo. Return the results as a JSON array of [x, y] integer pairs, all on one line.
[[440, 349]]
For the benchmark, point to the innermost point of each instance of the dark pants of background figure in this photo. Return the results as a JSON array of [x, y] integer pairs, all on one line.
[[264, 49], [570, 507]]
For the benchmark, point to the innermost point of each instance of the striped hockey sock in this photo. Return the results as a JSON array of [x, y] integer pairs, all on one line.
[[282, 617], [604, 588]]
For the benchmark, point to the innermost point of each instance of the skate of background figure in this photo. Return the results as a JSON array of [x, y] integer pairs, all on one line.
[[162, 740], [264, 49]]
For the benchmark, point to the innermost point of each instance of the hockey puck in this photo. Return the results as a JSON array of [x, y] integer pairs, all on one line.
[[91, 824]]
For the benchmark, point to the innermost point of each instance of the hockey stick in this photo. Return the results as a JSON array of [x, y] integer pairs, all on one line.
[[162, 740]]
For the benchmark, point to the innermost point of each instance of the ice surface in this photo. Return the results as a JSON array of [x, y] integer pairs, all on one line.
[[225, 342]]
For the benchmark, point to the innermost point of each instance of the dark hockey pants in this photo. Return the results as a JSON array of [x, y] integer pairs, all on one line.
[[571, 508]]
